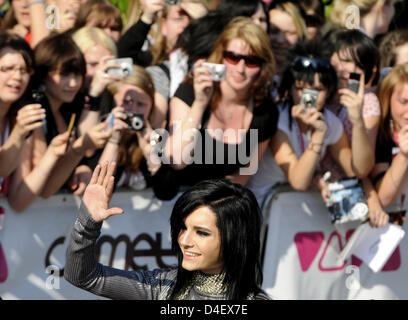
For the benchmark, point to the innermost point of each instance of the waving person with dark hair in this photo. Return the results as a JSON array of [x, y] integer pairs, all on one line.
[[215, 261]]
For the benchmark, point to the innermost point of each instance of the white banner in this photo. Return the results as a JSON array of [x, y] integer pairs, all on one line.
[[34, 243], [299, 262], [301, 253]]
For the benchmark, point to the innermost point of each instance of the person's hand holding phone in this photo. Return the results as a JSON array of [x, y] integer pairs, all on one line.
[[352, 99], [29, 118]]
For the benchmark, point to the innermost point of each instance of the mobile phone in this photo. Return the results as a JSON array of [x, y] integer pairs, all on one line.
[[353, 82], [309, 98], [125, 69]]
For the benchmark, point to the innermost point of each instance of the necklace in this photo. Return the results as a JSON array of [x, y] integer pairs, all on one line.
[[212, 284]]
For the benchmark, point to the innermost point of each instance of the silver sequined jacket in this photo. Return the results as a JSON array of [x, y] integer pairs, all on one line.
[[83, 271]]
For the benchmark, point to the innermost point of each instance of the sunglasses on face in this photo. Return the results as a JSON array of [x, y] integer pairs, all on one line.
[[235, 58], [301, 63]]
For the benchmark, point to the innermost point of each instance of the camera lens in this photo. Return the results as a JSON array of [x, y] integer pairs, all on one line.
[[137, 123]]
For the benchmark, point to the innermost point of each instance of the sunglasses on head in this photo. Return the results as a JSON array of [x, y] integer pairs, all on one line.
[[235, 58], [301, 63]]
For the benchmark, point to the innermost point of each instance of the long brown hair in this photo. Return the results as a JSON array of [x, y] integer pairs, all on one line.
[[258, 41]]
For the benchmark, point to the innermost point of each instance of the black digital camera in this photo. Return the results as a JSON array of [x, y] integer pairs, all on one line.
[[135, 120]]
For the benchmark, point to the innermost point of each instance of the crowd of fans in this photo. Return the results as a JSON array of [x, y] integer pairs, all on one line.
[[56, 59]]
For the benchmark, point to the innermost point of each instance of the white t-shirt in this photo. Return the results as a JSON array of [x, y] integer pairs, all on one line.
[[269, 173]]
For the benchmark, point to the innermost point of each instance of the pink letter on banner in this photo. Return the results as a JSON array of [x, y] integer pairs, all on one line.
[[335, 268], [308, 245]]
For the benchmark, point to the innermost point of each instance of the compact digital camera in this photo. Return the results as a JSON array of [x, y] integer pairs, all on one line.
[[125, 69], [217, 70], [135, 120], [309, 98]]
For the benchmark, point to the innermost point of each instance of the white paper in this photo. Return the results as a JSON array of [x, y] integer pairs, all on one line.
[[374, 246]]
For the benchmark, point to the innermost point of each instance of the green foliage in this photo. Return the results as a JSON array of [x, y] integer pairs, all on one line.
[[123, 7]]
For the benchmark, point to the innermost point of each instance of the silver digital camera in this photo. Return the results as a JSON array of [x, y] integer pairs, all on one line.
[[125, 69], [309, 98], [217, 70]]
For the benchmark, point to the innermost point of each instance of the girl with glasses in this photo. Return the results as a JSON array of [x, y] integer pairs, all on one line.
[[16, 68], [223, 111]]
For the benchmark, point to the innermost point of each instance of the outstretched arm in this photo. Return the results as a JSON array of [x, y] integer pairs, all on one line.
[[83, 270]]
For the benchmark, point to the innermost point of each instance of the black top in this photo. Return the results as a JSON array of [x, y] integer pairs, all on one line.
[[214, 163], [131, 42], [384, 151]]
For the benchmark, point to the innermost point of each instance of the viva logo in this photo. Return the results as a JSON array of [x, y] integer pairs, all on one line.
[[308, 245]]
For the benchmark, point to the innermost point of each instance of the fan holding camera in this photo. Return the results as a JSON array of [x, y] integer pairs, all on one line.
[[133, 139], [306, 128]]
